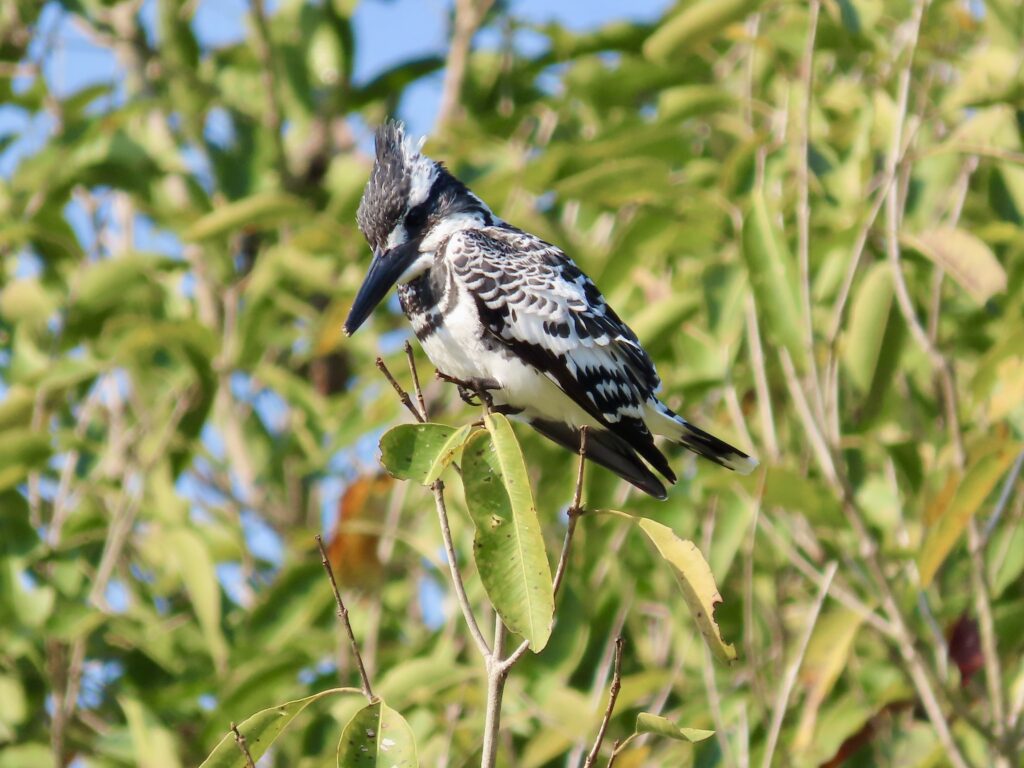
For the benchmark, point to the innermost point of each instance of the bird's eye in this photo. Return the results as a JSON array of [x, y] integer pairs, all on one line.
[[416, 218]]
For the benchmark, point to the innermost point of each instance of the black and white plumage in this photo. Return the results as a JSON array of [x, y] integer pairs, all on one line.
[[502, 310]]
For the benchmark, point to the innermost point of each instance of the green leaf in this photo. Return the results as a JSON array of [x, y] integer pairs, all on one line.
[[377, 736], [648, 723], [695, 24], [155, 745], [773, 279], [421, 452], [21, 450], [977, 483], [197, 571], [261, 730], [966, 258], [264, 210], [695, 579], [874, 337], [508, 545]]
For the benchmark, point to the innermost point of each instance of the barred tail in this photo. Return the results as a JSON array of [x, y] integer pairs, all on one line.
[[662, 421]]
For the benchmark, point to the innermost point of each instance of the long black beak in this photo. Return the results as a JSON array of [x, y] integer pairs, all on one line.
[[385, 269]]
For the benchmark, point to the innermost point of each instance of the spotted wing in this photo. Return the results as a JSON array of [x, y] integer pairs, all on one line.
[[535, 300]]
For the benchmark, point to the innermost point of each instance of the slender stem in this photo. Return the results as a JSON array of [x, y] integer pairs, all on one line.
[[453, 567], [343, 615], [613, 695], [986, 627], [243, 747], [415, 380], [497, 674], [469, 14], [273, 119], [400, 391], [789, 679], [764, 398]]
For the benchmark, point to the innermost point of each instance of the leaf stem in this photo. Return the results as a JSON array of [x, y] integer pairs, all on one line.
[[613, 695]]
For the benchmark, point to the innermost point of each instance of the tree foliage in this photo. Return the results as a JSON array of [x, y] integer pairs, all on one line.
[[810, 213]]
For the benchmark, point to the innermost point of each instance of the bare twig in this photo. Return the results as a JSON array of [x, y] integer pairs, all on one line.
[[986, 628], [343, 615], [613, 694], [415, 380], [402, 394], [789, 679], [453, 566], [243, 747], [469, 14]]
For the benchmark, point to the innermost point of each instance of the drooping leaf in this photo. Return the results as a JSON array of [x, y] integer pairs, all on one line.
[[695, 24], [421, 452], [508, 545], [377, 736], [978, 482], [155, 745], [965, 257], [693, 574], [263, 210], [199, 574], [261, 730], [661, 726]]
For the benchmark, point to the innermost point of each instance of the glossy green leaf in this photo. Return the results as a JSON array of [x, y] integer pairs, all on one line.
[[262, 729], [508, 546], [693, 574], [421, 452], [648, 723], [377, 737]]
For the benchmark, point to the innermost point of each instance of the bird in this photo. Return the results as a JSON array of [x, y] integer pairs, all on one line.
[[513, 319]]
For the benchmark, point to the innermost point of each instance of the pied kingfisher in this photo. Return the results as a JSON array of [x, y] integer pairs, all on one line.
[[505, 313]]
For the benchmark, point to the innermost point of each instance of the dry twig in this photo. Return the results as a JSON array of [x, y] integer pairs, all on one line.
[[613, 695], [243, 747]]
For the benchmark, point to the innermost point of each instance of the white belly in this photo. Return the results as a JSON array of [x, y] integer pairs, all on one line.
[[457, 349]]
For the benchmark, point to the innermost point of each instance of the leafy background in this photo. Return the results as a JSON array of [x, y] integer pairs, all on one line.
[[810, 214]]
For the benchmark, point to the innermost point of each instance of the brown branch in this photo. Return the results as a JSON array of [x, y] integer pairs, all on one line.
[[274, 121], [343, 615], [415, 380], [243, 747], [613, 694], [469, 14], [400, 391]]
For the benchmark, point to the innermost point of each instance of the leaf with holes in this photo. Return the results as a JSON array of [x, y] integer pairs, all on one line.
[[508, 546], [261, 730], [421, 452], [377, 736]]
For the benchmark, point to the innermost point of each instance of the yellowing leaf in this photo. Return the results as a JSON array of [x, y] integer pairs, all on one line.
[[978, 482], [966, 258], [695, 579]]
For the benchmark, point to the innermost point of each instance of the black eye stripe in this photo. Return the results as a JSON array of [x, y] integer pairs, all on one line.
[[417, 217]]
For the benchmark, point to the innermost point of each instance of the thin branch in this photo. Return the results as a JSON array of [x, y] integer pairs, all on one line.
[[453, 566], [986, 627], [789, 679], [343, 615], [402, 394], [1004, 498], [415, 380], [469, 14], [760, 372], [243, 747], [613, 694]]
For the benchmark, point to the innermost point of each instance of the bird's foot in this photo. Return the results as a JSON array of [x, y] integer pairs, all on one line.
[[473, 392]]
